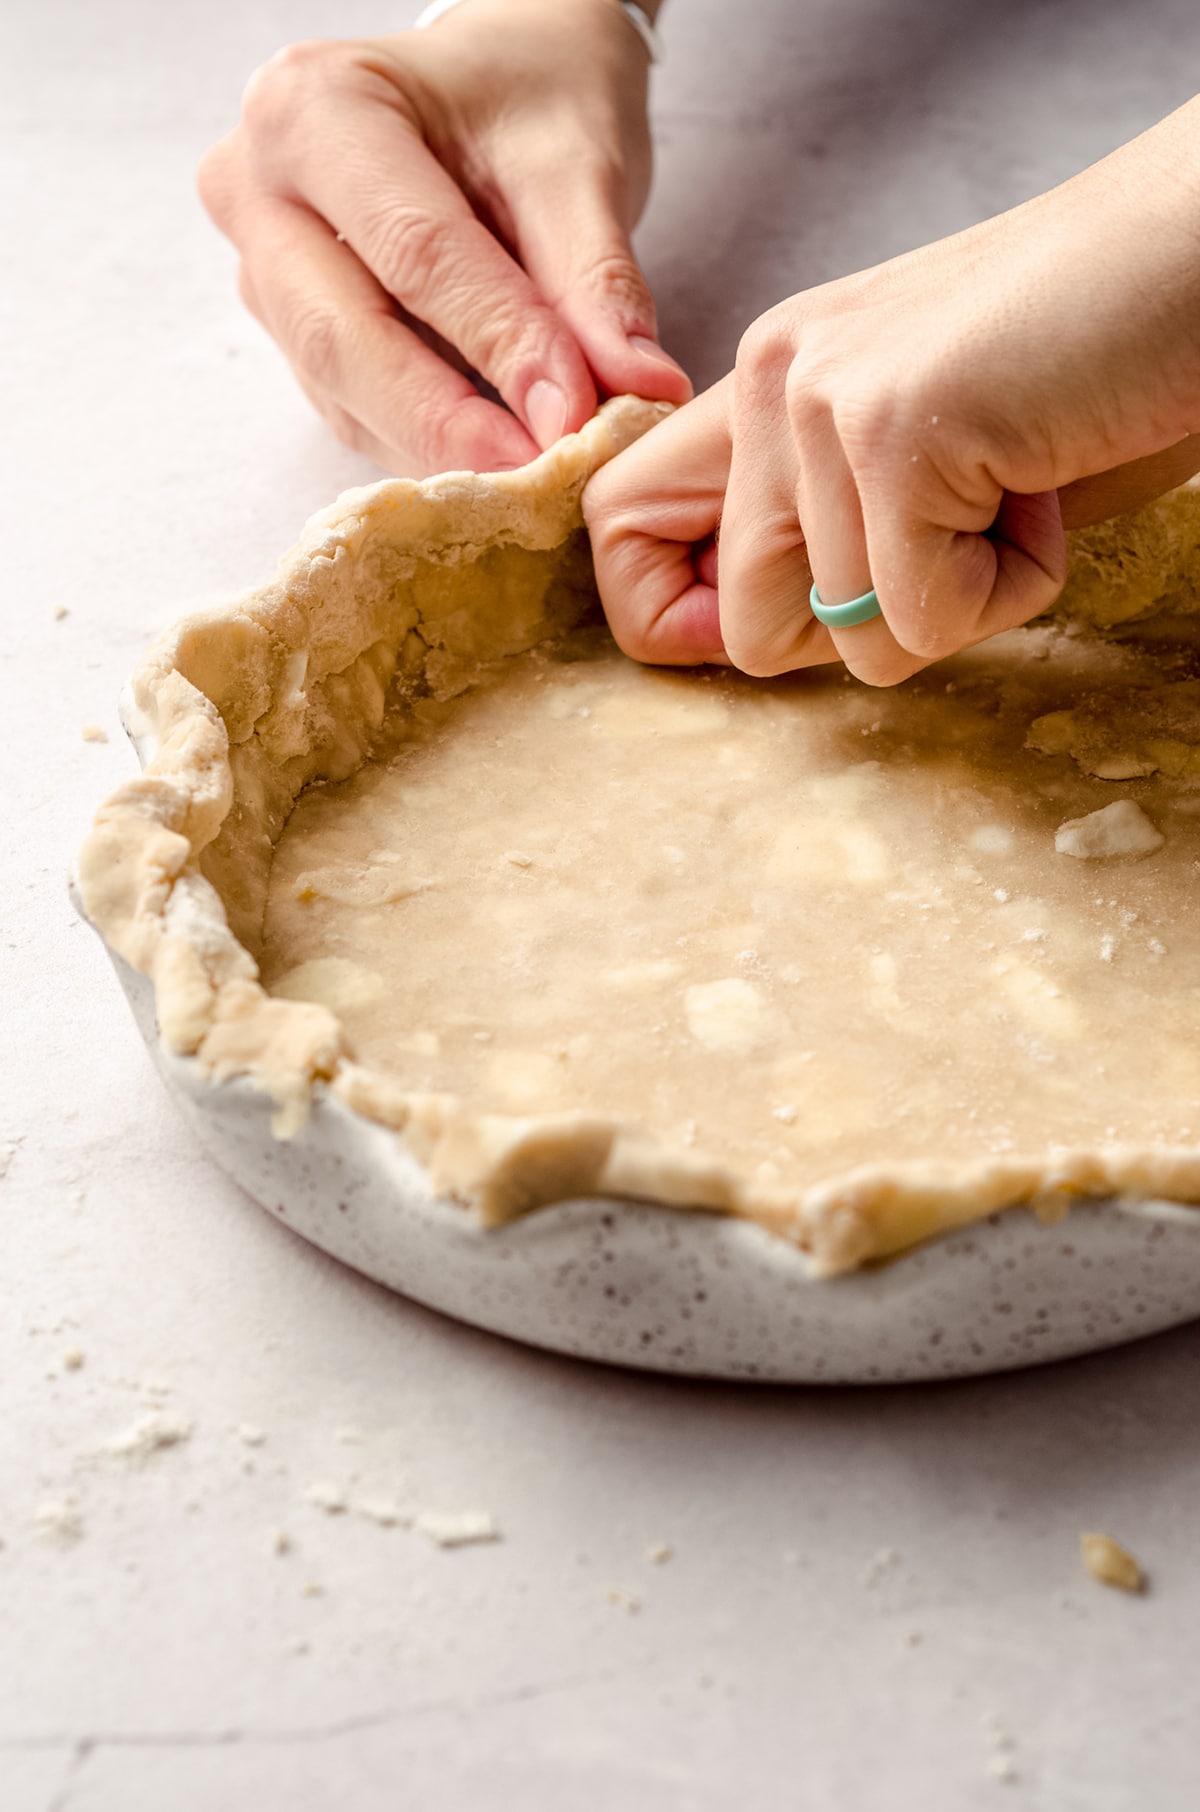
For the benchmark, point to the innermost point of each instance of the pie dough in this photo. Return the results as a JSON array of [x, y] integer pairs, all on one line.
[[859, 965]]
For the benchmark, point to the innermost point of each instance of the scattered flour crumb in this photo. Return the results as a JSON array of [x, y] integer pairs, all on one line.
[[1001, 894], [160, 1428], [1110, 1563], [787, 1114], [881, 1563], [60, 611], [312, 1588], [1108, 945], [60, 1520], [1003, 1739], [93, 733], [625, 1601], [382, 1510], [457, 1528], [73, 1359], [251, 1434], [300, 1647], [659, 1553], [281, 1542], [324, 1495], [1001, 1765], [913, 1638], [1119, 829], [8, 1152]]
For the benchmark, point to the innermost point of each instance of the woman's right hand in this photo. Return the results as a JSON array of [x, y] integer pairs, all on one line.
[[925, 430], [481, 178]]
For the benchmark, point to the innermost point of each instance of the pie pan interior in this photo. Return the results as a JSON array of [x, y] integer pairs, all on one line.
[[172, 875]]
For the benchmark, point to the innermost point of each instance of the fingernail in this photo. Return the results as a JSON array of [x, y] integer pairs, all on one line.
[[650, 349], [546, 412]]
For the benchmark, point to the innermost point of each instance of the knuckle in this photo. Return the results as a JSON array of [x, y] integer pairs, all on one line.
[[801, 393], [631, 634], [510, 344], [925, 640], [754, 654], [439, 440], [764, 346], [445, 435], [214, 178], [765, 357], [616, 279], [278, 87], [921, 631], [313, 337], [814, 385], [886, 667], [865, 419], [598, 509], [404, 245]]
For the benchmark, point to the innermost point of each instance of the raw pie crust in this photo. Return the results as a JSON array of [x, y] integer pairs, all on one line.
[[861, 966]]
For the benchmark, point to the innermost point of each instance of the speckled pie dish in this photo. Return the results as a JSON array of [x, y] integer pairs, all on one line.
[[964, 1206]]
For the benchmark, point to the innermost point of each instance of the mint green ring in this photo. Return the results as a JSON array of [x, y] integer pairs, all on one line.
[[845, 616]]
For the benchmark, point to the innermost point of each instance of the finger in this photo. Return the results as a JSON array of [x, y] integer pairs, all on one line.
[[647, 510], [339, 331], [764, 576], [1128, 487], [412, 227], [569, 223], [347, 429], [957, 561], [832, 519]]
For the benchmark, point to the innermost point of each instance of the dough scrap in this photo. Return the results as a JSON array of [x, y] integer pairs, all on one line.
[[409, 613], [1119, 829], [1110, 1563]]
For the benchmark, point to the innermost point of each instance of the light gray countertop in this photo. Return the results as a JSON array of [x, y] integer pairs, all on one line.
[[873, 1598]]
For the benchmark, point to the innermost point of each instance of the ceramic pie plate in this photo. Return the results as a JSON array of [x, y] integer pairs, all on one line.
[[675, 1291], [624, 1281]]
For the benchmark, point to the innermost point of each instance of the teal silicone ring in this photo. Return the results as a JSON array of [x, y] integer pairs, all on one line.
[[845, 616]]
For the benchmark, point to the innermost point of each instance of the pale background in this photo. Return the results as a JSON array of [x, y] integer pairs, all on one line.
[[155, 450]]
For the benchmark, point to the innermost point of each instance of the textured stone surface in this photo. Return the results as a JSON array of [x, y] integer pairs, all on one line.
[[160, 1659]]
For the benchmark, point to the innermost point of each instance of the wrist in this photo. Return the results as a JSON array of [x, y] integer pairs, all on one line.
[[639, 15], [1150, 204]]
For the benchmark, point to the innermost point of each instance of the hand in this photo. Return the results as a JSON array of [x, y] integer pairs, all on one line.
[[927, 429], [485, 176]]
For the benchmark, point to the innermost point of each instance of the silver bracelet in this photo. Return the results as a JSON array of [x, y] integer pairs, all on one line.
[[637, 18]]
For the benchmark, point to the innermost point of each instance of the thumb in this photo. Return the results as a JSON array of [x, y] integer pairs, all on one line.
[[572, 240], [647, 511]]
